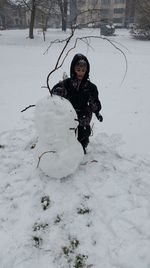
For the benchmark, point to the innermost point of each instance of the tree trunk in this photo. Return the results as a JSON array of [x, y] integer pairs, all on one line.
[[64, 24], [32, 20], [46, 23], [63, 5]]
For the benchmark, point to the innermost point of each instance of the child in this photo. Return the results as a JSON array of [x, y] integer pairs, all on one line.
[[83, 96]]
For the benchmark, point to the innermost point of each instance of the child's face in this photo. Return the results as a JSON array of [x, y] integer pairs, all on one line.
[[80, 72]]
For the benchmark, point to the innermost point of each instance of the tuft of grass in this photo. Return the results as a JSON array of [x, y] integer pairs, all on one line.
[[39, 226], [67, 250], [74, 243], [80, 261], [45, 201], [58, 219], [75, 260], [37, 241], [83, 210]]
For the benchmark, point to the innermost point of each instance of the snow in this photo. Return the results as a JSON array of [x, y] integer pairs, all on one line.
[[98, 216], [56, 123]]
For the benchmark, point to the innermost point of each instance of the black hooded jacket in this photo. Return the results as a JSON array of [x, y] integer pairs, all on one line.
[[83, 96]]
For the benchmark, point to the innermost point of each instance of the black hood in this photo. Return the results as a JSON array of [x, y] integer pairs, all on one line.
[[75, 60]]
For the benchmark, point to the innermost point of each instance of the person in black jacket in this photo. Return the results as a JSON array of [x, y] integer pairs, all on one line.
[[83, 96]]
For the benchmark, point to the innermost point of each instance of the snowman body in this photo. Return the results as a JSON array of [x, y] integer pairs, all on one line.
[[57, 151]]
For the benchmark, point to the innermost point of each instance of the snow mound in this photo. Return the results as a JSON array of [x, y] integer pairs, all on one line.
[[58, 151]]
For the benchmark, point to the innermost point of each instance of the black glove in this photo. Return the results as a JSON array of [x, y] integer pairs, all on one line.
[[99, 117]]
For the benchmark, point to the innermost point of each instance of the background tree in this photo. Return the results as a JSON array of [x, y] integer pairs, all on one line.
[[143, 13], [37, 9], [2, 17], [142, 19], [63, 6], [32, 18], [30, 7]]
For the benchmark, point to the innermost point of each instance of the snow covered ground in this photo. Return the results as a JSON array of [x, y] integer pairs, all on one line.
[[100, 216]]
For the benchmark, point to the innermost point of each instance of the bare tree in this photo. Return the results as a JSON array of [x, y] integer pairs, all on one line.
[[45, 10], [142, 20], [34, 8], [30, 7], [2, 17], [32, 18], [143, 12], [63, 6]]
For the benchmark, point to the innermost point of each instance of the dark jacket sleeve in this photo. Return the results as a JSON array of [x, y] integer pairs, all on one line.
[[60, 89], [94, 101]]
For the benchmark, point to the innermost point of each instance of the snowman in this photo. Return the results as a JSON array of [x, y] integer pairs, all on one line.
[[57, 152]]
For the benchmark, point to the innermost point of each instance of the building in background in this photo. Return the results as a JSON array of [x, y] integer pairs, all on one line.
[[113, 11], [104, 11], [130, 12], [119, 12], [85, 12], [11, 15]]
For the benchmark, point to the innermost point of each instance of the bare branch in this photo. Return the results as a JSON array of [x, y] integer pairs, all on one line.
[[121, 51], [27, 108], [42, 155], [86, 40], [58, 64], [116, 47], [90, 11]]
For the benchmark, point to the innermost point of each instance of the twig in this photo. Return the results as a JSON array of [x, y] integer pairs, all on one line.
[[84, 39], [27, 108], [42, 155], [112, 43], [58, 64]]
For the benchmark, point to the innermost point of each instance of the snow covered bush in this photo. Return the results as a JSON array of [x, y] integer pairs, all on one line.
[[139, 32]]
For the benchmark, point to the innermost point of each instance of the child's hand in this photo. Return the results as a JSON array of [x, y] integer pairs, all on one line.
[[99, 117]]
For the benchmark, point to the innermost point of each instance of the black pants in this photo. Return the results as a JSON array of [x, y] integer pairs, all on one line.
[[83, 135]]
